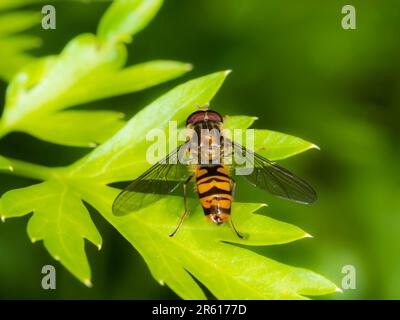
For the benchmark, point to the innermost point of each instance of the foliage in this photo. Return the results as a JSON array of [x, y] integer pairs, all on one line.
[[14, 45], [91, 68]]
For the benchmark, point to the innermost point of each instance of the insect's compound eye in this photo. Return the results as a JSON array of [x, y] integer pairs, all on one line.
[[195, 117], [202, 115], [214, 116]]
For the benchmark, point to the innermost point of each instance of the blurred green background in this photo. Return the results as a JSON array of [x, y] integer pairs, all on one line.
[[296, 69]]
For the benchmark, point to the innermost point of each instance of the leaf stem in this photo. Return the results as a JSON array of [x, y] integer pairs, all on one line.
[[31, 170]]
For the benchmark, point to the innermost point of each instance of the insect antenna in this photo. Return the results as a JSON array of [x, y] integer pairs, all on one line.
[[200, 107]]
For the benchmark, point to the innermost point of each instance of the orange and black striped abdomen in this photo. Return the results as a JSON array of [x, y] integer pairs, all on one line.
[[214, 187]]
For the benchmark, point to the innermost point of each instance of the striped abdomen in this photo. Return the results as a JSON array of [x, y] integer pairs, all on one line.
[[214, 187]]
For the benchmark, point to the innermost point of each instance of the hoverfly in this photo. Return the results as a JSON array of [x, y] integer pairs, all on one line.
[[214, 180]]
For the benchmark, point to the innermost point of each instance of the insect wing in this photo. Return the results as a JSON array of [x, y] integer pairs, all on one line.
[[160, 180], [275, 179]]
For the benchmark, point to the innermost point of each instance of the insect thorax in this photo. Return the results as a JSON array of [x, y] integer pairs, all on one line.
[[207, 144]]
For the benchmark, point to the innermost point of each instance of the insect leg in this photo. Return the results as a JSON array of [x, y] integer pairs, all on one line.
[[233, 195], [234, 229], [185, 205]]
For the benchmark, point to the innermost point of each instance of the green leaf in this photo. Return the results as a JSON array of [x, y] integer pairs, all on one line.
[[121, 157], [17, 44], [207, 253], [11, 4], [60, 219], [13, 56], [38, 89], [125, 18], [18, 21], [89, 72], [76, 128], [271, 144], [13, 47], [130, 79], [10, 63], [5, 164], [276, 145], [238, 122], [200, 249], [88, 69]]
